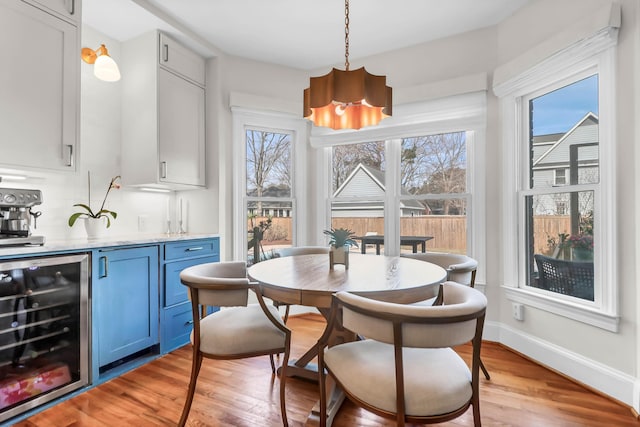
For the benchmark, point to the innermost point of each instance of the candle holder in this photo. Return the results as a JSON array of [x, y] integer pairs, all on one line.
[[168, 227], [180, 229]]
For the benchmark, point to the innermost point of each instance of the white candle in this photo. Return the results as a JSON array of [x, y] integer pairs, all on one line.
[[180, 209], [168, 210]]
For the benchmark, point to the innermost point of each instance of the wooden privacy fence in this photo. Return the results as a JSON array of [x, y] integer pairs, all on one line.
[[448, 231]]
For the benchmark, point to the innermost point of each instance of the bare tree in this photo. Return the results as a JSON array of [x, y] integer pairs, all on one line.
[[347, 157], [267, 161]]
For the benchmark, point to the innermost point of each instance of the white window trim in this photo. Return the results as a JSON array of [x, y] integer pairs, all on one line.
[[465, 112], [243, 119], [597, 51]]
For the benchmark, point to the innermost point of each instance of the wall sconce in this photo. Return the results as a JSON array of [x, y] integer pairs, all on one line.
[[105, 67]]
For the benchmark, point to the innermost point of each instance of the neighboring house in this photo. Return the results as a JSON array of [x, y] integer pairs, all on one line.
[[365, 181], [273, 208], [560, 158]]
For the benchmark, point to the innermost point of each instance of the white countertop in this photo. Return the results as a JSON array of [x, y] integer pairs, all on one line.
[[87, 244]]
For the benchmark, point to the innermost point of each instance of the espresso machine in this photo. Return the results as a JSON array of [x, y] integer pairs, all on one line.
[[17, 217]]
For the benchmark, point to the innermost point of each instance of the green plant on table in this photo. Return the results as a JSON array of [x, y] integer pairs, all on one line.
[[339, 237]]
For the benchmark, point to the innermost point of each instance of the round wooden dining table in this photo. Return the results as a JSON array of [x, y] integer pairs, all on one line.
[[308, 280]]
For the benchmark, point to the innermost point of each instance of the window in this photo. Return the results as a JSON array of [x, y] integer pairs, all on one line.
[[426, 188], [560, 176], [268, 205], [268, 191], [559, 181], [550, 234], [433, 197], [406, 196]]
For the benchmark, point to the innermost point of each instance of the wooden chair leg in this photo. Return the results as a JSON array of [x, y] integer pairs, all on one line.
[[286, 313], [273, 365], [283, 380], [195, 369], [484, 370]]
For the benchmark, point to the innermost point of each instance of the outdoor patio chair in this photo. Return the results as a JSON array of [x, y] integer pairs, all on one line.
[[574, 278]]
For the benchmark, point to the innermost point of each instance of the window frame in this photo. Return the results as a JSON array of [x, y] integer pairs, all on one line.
[[597, 54], [244, 119], [463, 112]]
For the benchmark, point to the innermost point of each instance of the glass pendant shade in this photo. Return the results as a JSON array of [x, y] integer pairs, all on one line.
[[105, 68]]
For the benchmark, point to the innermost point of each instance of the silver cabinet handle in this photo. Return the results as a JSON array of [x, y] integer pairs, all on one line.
[[73, 7], [105, 267], [163, 169], [199, 248], [69, 155], [166, 53]]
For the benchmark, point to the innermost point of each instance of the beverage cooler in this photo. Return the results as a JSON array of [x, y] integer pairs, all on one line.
[[44, 326]]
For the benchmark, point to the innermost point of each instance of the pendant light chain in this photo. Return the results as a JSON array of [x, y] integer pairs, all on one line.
[[346, 35]]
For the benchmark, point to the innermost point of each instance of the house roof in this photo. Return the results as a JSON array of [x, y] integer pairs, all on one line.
[[377, 177], [589, 119]]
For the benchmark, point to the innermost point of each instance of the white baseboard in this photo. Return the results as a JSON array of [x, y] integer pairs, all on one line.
[[618, 385]]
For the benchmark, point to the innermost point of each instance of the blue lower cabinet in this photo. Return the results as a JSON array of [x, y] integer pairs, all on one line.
[[176, 318], [125, 302]]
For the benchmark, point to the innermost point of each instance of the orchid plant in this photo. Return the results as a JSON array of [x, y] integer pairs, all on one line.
[[102, 212]]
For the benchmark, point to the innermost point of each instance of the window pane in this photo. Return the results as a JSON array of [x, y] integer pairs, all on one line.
[[269, 227], [268, 164], [434, 164], [561, 243], [448, 231], [359, 167], [363, 217], [565, 135]]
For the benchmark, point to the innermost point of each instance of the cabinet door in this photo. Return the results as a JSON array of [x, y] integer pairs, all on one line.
[[181, 124], [125, 301], [181, 60], [67, 9], [38, 88]]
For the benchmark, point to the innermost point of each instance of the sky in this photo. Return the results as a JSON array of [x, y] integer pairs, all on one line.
[[558, 111]]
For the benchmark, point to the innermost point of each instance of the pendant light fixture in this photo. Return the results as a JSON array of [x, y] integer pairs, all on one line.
[[347, 99]]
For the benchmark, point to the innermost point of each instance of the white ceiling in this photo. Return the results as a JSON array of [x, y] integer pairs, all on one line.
[[305, 34]]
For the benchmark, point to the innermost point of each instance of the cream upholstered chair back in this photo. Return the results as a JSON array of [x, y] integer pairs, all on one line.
[[226, 283], [404, 368], [236, 331], [460, 268], [423, 326], [303, 250]]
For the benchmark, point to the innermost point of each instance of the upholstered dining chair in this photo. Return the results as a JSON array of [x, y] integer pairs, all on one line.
[[238, 330], [292, 251], [460, 268], [405, 369]]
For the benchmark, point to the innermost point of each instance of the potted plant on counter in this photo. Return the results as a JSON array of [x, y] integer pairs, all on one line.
[[340, 240], [95, 220]]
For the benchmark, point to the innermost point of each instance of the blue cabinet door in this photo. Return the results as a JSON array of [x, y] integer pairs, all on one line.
[[125, 302]]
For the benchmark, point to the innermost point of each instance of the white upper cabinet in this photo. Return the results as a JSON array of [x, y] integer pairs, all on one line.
[[65, 9], [163, 114], [39, 88], [181, 60]]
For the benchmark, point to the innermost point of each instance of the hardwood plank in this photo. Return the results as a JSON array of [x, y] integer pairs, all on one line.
[[244, 393]]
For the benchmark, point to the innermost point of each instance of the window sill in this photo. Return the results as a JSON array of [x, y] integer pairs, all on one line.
[[569, 309]]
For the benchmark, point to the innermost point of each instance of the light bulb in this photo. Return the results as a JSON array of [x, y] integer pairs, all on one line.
[[340, 109]]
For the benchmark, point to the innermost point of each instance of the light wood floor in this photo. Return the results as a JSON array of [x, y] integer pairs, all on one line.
[[244, 393]]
